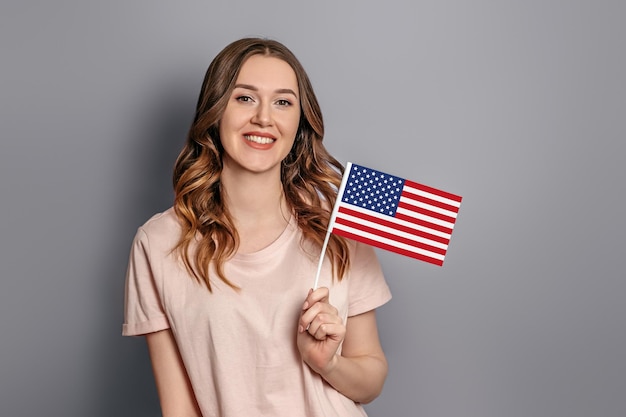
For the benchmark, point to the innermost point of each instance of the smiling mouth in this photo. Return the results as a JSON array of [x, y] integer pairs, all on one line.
[[259, 139]]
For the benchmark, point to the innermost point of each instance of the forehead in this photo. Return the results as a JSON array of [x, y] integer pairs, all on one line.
[[267, 72]]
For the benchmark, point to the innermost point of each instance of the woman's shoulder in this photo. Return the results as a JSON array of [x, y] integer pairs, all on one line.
[[162, 226]]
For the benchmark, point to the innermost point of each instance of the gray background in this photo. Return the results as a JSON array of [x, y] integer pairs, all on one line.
[[519, 106]]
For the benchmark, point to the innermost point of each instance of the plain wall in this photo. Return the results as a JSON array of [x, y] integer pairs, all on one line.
[[518, 106]]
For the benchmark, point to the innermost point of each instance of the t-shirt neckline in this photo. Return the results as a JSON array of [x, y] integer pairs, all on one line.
[[273, 247]]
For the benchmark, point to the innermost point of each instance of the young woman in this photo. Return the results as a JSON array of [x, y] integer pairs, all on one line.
[[220, 284]]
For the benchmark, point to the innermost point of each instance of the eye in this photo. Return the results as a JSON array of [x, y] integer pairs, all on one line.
[[244, 99], [283, 102]]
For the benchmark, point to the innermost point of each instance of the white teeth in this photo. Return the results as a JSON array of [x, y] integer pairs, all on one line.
[[259, 139]]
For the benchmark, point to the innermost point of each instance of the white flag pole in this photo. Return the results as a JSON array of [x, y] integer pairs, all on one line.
[[331, 222]]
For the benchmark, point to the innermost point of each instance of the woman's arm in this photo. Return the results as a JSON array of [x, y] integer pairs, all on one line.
[[360, 371], [173, 386]]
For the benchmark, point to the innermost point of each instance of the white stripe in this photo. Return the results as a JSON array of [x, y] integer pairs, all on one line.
[[432, 196], [399, 221], [425, 218], [435, 209], [389, 242], [392, 231]]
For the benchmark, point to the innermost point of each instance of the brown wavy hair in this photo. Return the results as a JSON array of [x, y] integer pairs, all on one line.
[[309, 174]]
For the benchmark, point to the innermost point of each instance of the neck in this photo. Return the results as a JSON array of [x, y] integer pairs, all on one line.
[[254, 197]]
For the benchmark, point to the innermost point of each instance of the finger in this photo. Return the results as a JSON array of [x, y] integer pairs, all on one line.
[[334, 331], [318, 310], [321, 319], [309, 315], [321, 294]]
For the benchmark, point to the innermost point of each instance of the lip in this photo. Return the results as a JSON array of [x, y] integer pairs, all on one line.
[[261, 134], [264, 141]]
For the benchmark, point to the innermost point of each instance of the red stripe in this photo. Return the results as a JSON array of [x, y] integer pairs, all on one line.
[[426, 212], [433, 190], [387, 247], [394, 225], [423, 223], [390, 236], [427, 200]]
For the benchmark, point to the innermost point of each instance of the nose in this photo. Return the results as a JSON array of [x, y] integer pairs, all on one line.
[[263, 115]]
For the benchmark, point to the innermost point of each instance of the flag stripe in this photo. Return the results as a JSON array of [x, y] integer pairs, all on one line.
[[390, 248], [407, 198], [419, 220], [425, 188], [390, 242], [385, 233], [353, 215], [446, 208], [410, 223], [403, 204]]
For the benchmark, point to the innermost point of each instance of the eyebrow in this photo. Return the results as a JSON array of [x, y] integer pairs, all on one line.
[[280, 90]]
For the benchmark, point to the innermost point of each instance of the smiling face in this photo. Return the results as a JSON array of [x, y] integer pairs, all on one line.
[[261, 119]]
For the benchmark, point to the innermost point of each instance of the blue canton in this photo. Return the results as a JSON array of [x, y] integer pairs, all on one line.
[[373, 190]]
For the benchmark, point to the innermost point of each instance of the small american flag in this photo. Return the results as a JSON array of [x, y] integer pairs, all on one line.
[[394, 214]]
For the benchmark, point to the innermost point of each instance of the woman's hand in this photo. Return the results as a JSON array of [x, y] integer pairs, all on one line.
[[320, 332], [360, 370]]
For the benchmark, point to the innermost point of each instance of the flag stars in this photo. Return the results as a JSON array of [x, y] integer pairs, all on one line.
[[373, 190]]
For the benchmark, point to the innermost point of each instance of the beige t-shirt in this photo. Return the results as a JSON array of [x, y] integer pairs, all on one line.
[[239, 348]]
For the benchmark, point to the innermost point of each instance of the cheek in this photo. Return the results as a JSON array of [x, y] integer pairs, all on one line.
[[291, 124], [223, 124], [229, 125]]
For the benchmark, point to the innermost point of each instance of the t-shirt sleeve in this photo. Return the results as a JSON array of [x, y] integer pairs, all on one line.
[[143, 309], [368, 288]]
